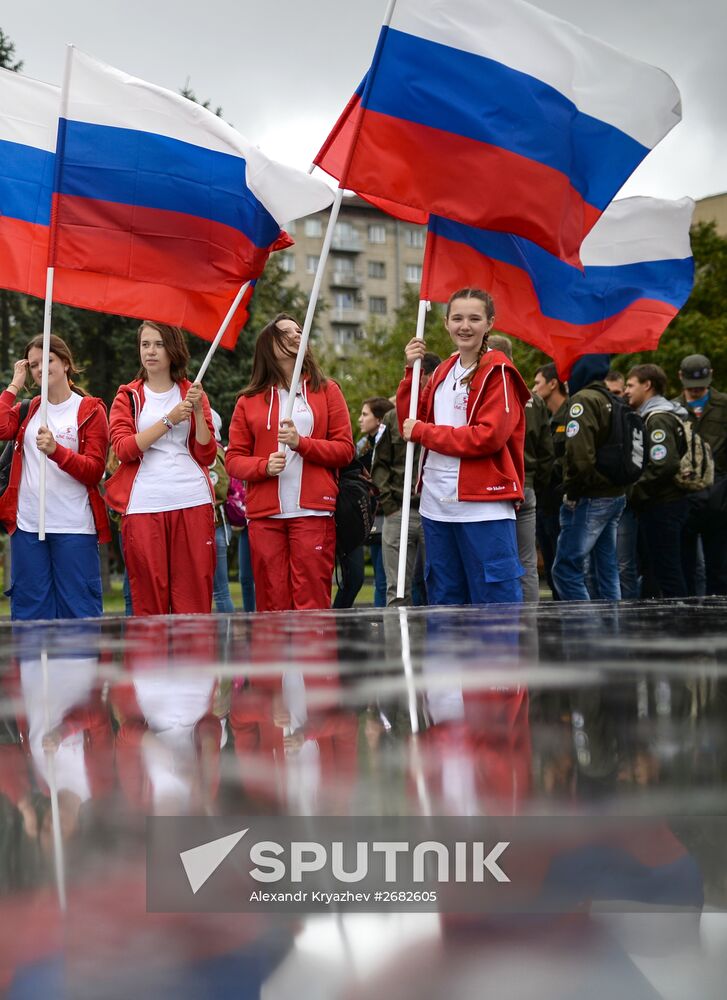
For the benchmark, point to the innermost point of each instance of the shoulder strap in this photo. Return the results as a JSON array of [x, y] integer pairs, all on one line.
[[132, 404]]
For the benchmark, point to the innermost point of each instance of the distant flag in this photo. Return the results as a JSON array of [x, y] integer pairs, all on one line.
[[495, 114], [638, 273], [161, 210], [28, 127]]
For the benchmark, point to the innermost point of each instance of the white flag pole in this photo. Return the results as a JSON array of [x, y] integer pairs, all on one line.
[[221, 332], [315, 292], [63, 114], [424, 307], [58, 855]]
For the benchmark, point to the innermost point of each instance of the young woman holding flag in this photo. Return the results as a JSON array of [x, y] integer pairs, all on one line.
[[290, 470], [59, 577], [163, 436], [471, 425]]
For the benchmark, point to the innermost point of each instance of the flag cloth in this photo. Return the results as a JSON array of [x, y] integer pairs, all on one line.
[[638, 273], [28, 126], [498, 115], [162, 210]]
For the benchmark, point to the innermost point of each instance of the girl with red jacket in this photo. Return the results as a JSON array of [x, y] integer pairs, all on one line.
[[162, 433], [291, 493], [59, 577], [471, 425]]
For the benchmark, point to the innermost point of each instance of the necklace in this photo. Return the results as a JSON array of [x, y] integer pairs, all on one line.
[[458, 378]]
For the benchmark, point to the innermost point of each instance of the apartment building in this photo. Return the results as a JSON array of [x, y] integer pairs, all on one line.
[[373, 257]]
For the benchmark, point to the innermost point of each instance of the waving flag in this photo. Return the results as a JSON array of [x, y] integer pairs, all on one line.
[[495, 114], [638, 273], [162, 209], [28, 126]]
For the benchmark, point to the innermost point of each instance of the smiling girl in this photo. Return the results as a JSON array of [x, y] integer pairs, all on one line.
[[163, 436], [59, 577], [471, 424]]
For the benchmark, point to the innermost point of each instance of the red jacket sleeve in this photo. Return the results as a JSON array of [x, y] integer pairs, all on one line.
[[495, 421], [205, 454], [9, 415], [123, 428], [87, 467], [403, 398], [337, 449], [240, 460]]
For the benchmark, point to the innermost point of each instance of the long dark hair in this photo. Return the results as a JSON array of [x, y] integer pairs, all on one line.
[[61, 350], [489, 304], [266, 369], [174, 344]]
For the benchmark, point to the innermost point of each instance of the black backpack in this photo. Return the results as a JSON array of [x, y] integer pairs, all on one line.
[[621, 459], [355, 507]]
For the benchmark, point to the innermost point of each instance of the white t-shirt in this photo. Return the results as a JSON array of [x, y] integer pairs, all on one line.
[[290, 478], [441, 472], [168, 478], [67, 504]]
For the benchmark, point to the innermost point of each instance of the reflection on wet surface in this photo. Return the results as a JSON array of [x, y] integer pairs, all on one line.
[[565, 710]]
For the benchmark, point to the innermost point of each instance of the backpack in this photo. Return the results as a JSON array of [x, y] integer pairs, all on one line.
[[621, 458], [696, 469], [355, 507], [219, 477], [235, 503]]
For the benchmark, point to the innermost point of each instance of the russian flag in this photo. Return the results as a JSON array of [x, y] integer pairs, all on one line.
[[162, 210], [497, 115], [28, 126], [638, 273]]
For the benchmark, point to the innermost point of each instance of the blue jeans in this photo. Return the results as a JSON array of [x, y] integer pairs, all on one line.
[[247, 580], [472, 562], [220, 582], [57, 578], [627, 549], [588, 529], [377, 561]]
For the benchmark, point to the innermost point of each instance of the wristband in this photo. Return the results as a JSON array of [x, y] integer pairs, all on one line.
[[167, 422]]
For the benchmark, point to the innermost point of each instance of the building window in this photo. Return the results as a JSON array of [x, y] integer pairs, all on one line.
[[311, 263], [289, 227], [343, 335], [377, 234], [344, 301], [343, 265], [313, 227], [377, 269], [414, 238], [413, 274], [287, 262], [377, 304]]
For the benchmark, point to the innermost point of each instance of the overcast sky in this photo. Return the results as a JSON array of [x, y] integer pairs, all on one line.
[[283, 69]]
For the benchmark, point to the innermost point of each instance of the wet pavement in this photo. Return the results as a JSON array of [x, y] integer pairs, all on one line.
[[556, 716]]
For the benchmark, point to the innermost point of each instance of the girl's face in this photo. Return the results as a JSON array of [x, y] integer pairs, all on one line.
[[57, 369], [289, 339], [467, 324], [152, 352], [368, 423]]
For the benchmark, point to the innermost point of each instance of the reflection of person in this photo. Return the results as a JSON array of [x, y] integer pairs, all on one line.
[[161, 430], [291, 493], [471, 423], [59, 577]]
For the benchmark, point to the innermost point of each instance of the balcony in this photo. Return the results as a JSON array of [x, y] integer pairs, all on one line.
[[346, 279], [349, 244], [339, 315]]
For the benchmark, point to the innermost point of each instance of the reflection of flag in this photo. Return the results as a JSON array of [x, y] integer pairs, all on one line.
[[498, 115], [163, 209], [638, 274], [28, 125]]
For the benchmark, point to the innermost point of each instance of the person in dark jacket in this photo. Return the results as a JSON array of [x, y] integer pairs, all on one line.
[[707, 410], [554, 394], [592, 504], [661, 504]]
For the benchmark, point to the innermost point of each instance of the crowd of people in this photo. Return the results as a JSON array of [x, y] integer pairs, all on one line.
[[615, 490]]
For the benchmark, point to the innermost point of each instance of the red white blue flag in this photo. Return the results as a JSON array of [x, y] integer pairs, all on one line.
[[638, 273], [495, 114]]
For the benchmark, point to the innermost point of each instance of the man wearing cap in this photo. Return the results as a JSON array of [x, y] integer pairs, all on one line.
[[707, 409]]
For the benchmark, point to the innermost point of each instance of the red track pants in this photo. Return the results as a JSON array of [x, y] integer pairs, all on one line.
[[292, 562], [170, 559]]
